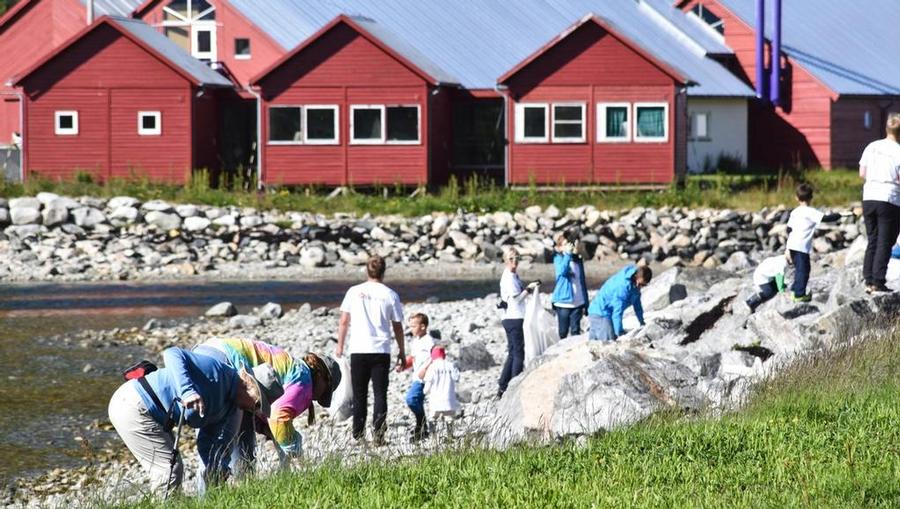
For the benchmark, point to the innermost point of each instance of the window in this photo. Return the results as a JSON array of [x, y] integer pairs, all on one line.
[[320, 125], [699, 126], [709, 18], [367, 125], [568, 123], [204, 44], [284, 124], [867, 120], [242, 49], [613, 123], [66, 123], [651, 122], [531, 123], [149, 123], [192, 25], [402, 124]]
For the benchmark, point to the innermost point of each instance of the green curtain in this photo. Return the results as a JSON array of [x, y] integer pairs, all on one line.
[[651, 122], [616, 122]]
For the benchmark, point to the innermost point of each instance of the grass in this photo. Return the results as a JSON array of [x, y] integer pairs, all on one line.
[[750, 191], [824, 434]]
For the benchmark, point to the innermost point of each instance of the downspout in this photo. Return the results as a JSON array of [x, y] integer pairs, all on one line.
[[775, 86], [760, 50], [259, 140], [503, 91]]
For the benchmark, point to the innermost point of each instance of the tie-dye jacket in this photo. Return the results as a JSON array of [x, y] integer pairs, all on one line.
[[296, 377]]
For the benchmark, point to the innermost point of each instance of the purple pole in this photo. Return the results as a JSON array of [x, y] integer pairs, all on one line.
[[775, 86], [760, 47]]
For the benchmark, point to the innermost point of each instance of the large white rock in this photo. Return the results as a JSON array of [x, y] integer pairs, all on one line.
[[123, 201], [88, 217], [45, 198], [24, 215], [25, 203], [53, 215], [222, 309], [124, 214], [157, 206], [196, 223], [162, 220]]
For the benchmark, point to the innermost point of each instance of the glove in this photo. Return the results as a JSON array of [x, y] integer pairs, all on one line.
[[532, 286]]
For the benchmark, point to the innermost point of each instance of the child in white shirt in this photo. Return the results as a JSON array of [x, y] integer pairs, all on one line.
[[440, 384], [420, 346], [769, 277], [801, 226]]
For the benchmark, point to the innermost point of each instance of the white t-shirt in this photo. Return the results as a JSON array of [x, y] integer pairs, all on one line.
[[577, 296], [440, 385], [803, 222], [882, 162], [372, 307], [511, 288], [420, 348], [768, 269]]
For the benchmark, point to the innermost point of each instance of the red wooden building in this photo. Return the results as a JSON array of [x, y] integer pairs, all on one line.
[[592, 106], [118, 100], [345, 108]]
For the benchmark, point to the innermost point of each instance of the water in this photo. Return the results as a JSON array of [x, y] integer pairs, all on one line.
[[50, 407]]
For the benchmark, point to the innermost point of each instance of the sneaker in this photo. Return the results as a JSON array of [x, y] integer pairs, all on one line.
[[802, 298], [877, 288]]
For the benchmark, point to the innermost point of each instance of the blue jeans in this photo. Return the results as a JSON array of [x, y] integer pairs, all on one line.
[[415, 400], [601, 329], [801, 272], [569, 320], [515, 357]]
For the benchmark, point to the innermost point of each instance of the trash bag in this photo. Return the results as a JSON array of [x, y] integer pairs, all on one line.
[[342, 399], [539, 327]]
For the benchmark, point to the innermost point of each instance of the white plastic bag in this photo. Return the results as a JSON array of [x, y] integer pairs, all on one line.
[[342, 399], [539, 327]]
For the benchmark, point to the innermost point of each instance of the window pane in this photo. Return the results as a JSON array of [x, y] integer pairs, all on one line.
[[284, 124], [198, 6], [179, 6], [204, 42], [242, 47], [320, 124], [66, 122], [567, 112], [402, 123], [567, 131], [700, 121], [367, 124], [148, 122], [651, 122], [535, 122], [616, 122], [179, 36]]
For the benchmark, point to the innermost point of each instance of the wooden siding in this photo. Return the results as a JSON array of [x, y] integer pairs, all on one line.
[[344, 68], [849, 135], [591, 66], [104, 77], [798, 134]]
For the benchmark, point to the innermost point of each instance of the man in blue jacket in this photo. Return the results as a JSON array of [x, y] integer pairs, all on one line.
[[619, 292], [209, 392], [570, 293]]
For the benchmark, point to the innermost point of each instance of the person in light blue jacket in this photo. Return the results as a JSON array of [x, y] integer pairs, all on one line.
[[619, 292], [208, 392], [570, 293]]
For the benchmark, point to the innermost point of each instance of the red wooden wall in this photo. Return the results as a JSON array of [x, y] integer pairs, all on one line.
[[344, 68], [105, 77], [591, 66]]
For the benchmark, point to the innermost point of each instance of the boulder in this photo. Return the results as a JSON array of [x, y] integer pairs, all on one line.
[[53, 215], [88, 217], [244, 322], [157, 206], [475, 357], [24, 215], [162, 220], [25, 203], [45, 198], [271, 311], [124, 214], [196, 223], [312, 256], [222, 309], [122, 201], [186, 211], [4, 216]]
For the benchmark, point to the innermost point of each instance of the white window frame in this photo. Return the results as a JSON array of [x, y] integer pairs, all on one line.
[[65, 131], [203, 26], [269, 141], [692, 119], [157, 131], [601, 123], [520, 123], [650, 139], [418, 140], [553, 121], [248, 56], [304, 128], [867, 120], [368, 141]]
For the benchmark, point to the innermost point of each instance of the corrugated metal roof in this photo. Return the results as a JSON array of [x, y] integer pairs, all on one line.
[[122, 8], [171, 52], [476, 41], [851, 46], [711, 42]]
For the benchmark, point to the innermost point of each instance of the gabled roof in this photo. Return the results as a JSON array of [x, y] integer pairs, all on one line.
[[679, 76], [150, 40], [101, 8], [381, 37], [851, 47], [477, 41]]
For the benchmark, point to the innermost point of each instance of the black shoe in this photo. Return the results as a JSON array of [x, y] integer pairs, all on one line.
[[878, 288]]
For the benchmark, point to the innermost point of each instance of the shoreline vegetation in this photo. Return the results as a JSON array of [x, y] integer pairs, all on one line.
[[820, 434], [745, 191]]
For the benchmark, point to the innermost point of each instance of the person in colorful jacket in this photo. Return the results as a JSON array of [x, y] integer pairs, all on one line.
[[570, 293], [208, 394], [313, 377], [619, 292]]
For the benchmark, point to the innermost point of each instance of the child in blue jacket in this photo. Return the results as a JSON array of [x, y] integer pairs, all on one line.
[[619, 292], [570, 292]]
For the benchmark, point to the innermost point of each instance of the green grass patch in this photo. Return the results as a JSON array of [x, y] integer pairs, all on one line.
[[735, 191], [824, 434]]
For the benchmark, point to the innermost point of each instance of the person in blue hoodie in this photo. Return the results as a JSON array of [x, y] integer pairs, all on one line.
[[619, 292], [570, 293], [211, 395]]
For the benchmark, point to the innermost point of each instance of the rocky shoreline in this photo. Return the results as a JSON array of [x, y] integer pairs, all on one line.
[[58, 238]]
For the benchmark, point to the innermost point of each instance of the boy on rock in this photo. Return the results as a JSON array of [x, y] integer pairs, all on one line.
[[801, 226], [420, 346], [769, 277]]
